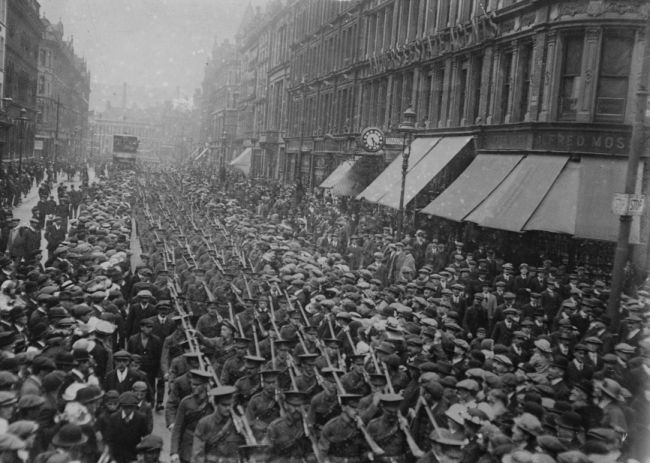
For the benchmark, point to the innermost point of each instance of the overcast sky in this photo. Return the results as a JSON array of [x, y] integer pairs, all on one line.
[[154, 43]]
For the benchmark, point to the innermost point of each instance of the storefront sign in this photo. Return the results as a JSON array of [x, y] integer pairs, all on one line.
[[583, 141], [505, 140]]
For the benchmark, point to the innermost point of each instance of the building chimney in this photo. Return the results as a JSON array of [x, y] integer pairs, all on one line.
[[124, 95]]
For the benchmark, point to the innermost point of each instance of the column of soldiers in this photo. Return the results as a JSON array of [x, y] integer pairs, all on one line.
[[315, 361]]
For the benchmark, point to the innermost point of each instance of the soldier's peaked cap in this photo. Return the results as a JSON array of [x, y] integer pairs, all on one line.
[[222, 392]]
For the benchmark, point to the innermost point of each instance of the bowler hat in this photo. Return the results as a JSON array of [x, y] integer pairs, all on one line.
[[70, 435]]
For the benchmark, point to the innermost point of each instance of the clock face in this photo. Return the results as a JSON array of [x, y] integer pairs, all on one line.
[[372, 139]]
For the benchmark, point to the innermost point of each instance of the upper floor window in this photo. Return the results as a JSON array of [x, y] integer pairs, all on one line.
[[570, 78], [613, 76]]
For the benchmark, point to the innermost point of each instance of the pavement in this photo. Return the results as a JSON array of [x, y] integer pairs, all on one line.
[[24, 209], [159, 427]]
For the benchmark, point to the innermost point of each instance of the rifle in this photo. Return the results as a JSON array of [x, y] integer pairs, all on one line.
[[240, 422], [374, 447], [305, 420], [272, 317], [231, 312], [239, 326], [248, 289], [403, 424], [257, 344]]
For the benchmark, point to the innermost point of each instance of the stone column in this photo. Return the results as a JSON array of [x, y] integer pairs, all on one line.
[[415, 90], [487, 85], [389, 100]]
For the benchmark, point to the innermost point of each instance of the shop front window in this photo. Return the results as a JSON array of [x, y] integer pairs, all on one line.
[[613, 77]]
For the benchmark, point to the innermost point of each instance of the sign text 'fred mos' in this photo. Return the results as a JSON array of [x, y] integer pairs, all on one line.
[[583, 141]]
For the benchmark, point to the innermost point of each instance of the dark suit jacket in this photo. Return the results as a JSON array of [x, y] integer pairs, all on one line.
[[150, 354], [162, 330], [123, 437], [111, 382], [136, 314], [573, 375]]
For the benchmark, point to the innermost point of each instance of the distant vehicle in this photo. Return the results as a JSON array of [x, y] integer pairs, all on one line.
[[125, 149]]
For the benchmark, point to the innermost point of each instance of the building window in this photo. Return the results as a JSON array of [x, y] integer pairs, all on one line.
[[506, 93], [432, 15], [476, 88], [462, 91], [613, 76], [570, 79], [526, 70], [426, 100], [439, 83]]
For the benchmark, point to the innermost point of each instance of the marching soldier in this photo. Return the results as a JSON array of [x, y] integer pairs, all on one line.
[[180, 387], [216, 439], [386, 432], [306, 380], [249, 384], [325, 405], [191, 409], [286, 435], [341, 440], [263, 407], [234, 368]]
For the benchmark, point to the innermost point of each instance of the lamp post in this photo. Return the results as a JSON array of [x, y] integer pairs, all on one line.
[[407, 126], [222, 160], [22, 127]]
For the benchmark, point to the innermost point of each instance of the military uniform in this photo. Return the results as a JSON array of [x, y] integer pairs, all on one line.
[[232, 370], [324, 406], [342, 441], [187, 417], [354, 382], [390, 438], [216, 440], [288, 440], [261, 411], [180, 388], [247, 386]]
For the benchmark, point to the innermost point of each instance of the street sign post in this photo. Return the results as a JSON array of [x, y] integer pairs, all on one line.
[[628, 204]]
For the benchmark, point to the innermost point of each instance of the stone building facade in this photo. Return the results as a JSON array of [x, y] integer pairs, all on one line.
[[63, 91], [24, 31], [524, 78]]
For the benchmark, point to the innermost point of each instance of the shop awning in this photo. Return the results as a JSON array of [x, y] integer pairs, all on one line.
[[515, 200], [482, 176], [579, 202], [337, 175], [600, 179], [243, 161], [428, 156], [557, 211]]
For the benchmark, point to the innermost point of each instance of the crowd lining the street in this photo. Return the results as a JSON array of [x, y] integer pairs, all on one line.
[[265, 324]]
